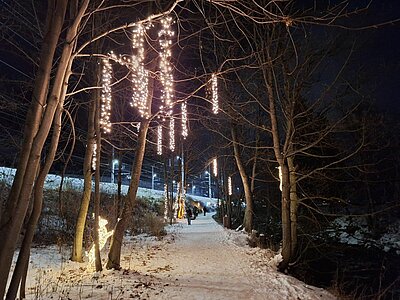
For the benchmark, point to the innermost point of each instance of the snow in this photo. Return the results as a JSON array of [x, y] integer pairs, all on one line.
[[53, 182], [198, 261], [354, 231]]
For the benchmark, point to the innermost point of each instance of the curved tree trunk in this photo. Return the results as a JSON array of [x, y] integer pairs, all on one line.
[[77, 250], [54, 21], [248, 213], [24, 254], [13, 227], [114, 255], [285, 201]]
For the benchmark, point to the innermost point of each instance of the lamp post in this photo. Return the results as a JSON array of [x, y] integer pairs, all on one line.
[[115, 162], [153, 176]]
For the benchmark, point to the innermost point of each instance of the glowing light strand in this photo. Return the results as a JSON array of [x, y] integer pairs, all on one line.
[[214, 91], [140, 76], [94, 156], [159, 140], [215, 167], [106, 97], [165, 40], [172, 134], [104, 234], [184, 120], [230, 186]]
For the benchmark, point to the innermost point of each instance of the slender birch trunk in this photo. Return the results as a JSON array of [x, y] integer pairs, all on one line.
[[248, 213]]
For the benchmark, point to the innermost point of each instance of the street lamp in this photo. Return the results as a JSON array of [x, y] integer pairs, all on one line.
[[114, 163]]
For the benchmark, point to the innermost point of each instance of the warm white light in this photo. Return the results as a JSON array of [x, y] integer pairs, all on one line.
[[215, 167], [214, 91], [140, 74], [94, 156], [172, 134], [165, 40], [229, 186], [159, 140], [165, 202], [106, 96], [184, 120], [280, 178], [103, 236]]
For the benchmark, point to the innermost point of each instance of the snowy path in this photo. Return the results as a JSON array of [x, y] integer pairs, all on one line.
[[200, 261], [209, 262]]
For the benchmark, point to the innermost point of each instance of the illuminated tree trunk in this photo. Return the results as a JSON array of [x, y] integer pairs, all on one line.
[[22, 264], [285, 199], [21, 196], [114, 255], [98, 264], [54, 22], [248, 213], [77, 250]]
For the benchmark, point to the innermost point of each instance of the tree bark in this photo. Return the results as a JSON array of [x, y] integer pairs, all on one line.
[[114, 255], [293, 204], [13, 226], [24, 254], [248, 213], [54, 21], [77, 250]]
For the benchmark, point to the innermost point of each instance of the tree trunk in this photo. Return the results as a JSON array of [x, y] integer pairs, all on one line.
[[98, 264], [285, 205], [77, 250], [114, 255], [12, 228], [293, 204], [24, 254], [54, 21], [248, 213]]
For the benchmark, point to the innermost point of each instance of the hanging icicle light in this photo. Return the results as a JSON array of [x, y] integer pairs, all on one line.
[[106, 96], [172, 134], [94, 156], [214, 92], [215, 167], [184, 120], [230, 186], [140, 77], [165, 40], [159, 140]]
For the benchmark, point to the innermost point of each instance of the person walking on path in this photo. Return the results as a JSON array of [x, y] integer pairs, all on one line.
[[189, 215]]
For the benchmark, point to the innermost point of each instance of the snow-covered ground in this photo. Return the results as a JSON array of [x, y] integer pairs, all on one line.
[[53, 182], [200, 261]]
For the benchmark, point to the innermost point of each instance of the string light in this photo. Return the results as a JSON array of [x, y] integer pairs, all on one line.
[[140, 76], [94, 156], [159, 140], [172, 134], [280, 177], [106, 96], [184, 120], [165, 202], [165, 40], [229, 186], [104, 234], [215, 167], [214, 90]]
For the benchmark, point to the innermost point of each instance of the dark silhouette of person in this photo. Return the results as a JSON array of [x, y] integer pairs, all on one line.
[[204, 210], [189, 215]]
